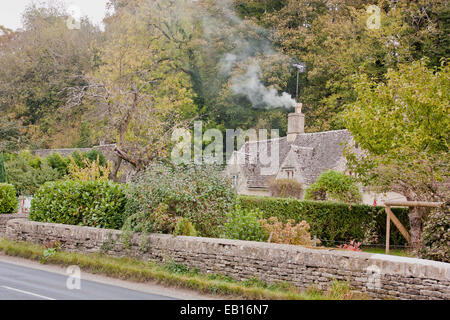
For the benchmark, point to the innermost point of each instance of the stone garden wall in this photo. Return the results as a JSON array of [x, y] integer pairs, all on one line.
[[4, 218], [379, 276]]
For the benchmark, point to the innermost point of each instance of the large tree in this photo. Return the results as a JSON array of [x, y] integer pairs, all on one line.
[[140, 92], [37, 64], [403, 128], [332, 37]]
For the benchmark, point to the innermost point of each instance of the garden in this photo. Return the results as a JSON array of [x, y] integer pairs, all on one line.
[[200, 201]]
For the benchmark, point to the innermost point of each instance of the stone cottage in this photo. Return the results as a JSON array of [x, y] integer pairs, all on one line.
[[302, 157]]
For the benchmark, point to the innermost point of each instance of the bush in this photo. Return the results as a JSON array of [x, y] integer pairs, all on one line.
[[243, 224], [287, 233], [90, 171], [56, 161], [331, 222], [436, 236], [8, 198], [27, 173], [81, 158], [98, 204], [185, 228], [202, 194], [286, 188], [334, 186]]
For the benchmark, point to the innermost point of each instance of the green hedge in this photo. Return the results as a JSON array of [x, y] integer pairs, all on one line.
[[98, 204], [8, 198], [330, 221]]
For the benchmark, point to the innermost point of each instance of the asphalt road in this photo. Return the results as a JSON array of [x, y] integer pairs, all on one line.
[[22, 283]]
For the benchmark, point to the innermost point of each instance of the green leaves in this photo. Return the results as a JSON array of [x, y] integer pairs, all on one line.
[[98, 204], [8, 198], [436, 236], [201, 194], [330, 221], [334, 186], [403, 126], [243, 224]]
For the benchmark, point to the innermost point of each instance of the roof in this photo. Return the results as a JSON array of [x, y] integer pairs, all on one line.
[[310, 154]]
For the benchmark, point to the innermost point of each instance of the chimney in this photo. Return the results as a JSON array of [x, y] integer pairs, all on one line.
[[296, 123]]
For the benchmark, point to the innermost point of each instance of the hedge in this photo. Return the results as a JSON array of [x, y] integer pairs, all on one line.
[[98, 204], [331, 222], [8, 198]]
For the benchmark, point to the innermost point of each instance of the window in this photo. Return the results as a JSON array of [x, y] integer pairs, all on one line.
[[235, 181], [290, 174]]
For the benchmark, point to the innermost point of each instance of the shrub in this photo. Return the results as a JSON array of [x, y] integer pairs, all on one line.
[[436, 236], [353, 245], [334, 186], [56, 161], [331, 222], [243, 224], [92, 203], [201, 194], [8, 198], [287, 233], [27, 173], [89, 170], [185, 228], [81, 158], [286, 188]]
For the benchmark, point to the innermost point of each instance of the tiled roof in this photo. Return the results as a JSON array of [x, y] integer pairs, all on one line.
[[310, 154]]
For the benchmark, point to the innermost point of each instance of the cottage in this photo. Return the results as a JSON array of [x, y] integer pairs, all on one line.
[[301, 156]]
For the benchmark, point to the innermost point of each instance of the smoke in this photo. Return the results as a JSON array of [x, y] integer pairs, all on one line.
[[250, 85], [249, 47]]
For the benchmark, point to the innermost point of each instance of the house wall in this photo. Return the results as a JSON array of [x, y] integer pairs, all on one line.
[[379, 276]]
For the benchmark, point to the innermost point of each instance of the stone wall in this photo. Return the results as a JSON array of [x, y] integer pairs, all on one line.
[[379, 276], [4, 218]]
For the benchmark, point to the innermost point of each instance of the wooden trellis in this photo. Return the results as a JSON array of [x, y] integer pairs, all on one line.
[[391, 216]]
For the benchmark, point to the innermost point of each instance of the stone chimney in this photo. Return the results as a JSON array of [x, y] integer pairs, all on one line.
[[296, 123]]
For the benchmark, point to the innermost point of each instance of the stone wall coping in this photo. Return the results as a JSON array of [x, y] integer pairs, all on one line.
[[12, 216]]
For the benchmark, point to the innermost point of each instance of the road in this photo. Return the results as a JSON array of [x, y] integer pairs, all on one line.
[[26, 280]]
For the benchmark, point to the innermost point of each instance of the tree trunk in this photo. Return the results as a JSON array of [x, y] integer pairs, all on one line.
[[416, 224]]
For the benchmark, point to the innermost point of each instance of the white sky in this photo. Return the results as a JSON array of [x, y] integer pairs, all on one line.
[[11, 10]]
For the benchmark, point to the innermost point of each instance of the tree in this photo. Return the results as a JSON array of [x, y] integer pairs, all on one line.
[[334, 186], [332, 37], [11, 136], [139, 93], [402, 126], [37, 64]]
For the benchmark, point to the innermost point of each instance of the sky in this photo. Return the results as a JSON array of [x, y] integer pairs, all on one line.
[[11, 10]]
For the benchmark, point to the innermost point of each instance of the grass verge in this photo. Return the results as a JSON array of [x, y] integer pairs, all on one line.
[[175, 275]]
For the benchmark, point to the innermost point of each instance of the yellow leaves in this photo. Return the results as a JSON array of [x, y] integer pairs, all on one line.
[[89, 171]]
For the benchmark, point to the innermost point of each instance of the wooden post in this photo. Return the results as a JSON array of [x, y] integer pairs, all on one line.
[[398, 224], [388, 228], [390, 215]]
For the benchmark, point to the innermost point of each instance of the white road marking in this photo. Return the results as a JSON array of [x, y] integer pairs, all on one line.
[[29, 293]]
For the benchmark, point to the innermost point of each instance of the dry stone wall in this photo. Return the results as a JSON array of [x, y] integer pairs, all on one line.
[[4, 218], [379, 276]]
